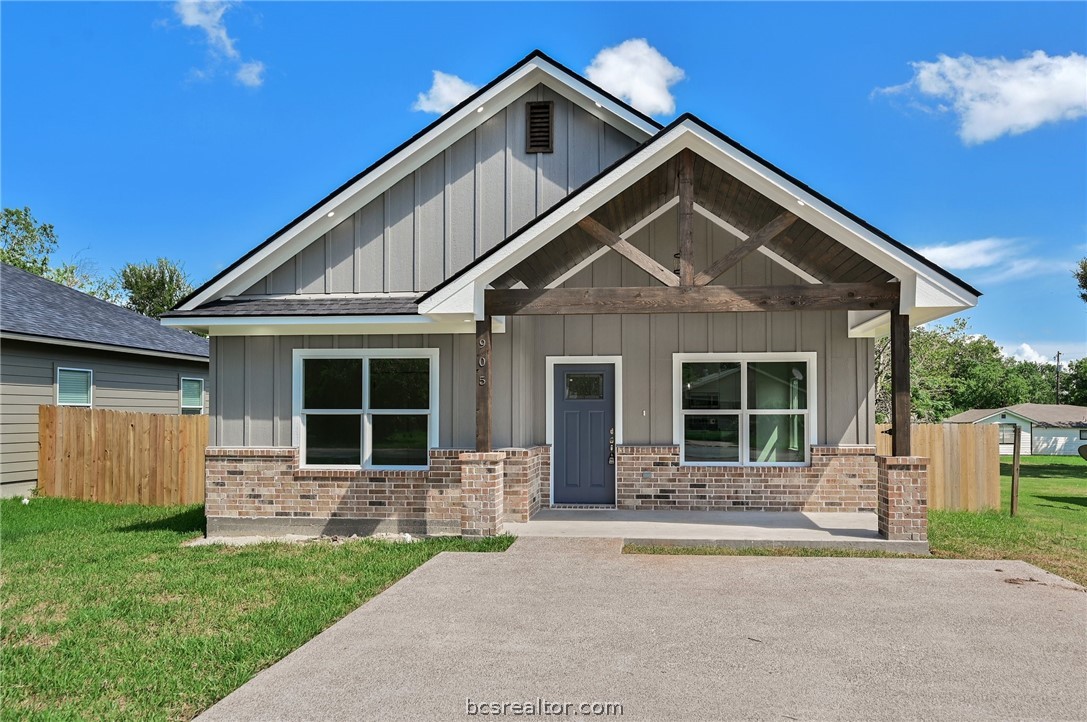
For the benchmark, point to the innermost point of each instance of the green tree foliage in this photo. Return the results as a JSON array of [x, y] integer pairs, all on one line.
[[25, 243], [154, 288], [1081, 278], [953, 370]]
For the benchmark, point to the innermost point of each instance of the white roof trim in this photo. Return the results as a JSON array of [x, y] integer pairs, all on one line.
[[377, 181], [321, 325], [921, 285]]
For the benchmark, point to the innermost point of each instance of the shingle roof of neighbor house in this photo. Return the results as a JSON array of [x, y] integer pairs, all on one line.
[[34, 306], [1053, 415]]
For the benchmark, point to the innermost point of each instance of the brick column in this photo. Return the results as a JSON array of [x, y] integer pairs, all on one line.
[[481, 493], [902, 492]]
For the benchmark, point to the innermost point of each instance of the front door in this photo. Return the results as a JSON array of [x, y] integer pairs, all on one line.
[[584, 451]]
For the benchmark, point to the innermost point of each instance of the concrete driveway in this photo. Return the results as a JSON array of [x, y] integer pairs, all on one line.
[[692, 638]]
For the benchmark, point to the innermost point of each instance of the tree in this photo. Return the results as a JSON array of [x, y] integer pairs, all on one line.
[[25, 243], [154, 288], [1081, 278]]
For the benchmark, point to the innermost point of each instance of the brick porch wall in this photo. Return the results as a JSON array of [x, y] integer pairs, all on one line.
[[527, 472], [902, 483], [840, 478]]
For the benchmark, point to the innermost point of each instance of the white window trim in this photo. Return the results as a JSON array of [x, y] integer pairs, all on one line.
[[90, 389], [811, 413], [181, 393], [298, 428]]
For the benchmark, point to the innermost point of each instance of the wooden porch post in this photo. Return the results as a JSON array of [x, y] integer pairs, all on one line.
[[900, 384], [686, 218], [483, 384]]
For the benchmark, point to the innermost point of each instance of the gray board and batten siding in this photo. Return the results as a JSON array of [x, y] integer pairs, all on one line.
[[454, 208], [121, 381], [251, 401]]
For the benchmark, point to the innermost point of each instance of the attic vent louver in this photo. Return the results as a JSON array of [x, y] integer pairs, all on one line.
[[540, 127]]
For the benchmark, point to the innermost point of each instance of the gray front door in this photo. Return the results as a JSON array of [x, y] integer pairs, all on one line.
[[584, 452]]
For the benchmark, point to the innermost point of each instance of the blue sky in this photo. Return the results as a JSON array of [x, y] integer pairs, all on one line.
[[137, 135]]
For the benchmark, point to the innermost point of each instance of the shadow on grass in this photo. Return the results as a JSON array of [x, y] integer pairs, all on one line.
[[1046, 471], [1073, 500], [184, 522]]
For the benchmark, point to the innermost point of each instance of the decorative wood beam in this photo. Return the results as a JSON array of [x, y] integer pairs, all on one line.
[[607, 237], [754, 241], [900, 384], [692, 299], [686, 218], [483, 384]]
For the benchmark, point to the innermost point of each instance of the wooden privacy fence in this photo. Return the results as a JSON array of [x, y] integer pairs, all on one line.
[[964, 463], [121, 457]]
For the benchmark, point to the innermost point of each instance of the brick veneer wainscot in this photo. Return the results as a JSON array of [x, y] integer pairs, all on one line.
[[902, 489], [840, 478]]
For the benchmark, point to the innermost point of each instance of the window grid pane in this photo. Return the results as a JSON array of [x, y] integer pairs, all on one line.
[[192, 393], [73, 387]]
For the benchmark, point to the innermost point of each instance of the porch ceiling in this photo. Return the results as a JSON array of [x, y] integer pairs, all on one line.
[[718, 193]]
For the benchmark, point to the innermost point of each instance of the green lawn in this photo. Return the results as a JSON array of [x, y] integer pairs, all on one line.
[[105, 615], [1050, 530]]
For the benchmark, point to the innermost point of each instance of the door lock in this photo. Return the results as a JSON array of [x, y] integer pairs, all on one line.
[[611, 447]]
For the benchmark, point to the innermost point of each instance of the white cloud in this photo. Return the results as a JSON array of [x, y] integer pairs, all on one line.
[[970, 254], [637, 72], [993, 259], [445, 92], [1026, 352], [207, 15], [251, 74], [995, 96]]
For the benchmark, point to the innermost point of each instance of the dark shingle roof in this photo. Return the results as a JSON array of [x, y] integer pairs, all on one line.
[[35, 306], [331, 306], [1052, 415]]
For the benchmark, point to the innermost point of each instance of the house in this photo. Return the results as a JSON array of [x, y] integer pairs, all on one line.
[[1052, 429], [60, 346], [545, 298]]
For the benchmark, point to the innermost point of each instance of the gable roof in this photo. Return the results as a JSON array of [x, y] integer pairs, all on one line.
[[1047, 415], [534, 67], [938, 290], [39, 309]]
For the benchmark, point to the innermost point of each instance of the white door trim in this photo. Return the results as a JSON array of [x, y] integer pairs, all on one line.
[[617, 362]]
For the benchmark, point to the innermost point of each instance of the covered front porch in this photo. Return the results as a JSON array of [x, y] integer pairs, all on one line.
[[753, 529]]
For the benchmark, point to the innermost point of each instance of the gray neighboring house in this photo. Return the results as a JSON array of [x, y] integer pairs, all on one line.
[[61, 346], [1047, 429], [547, 299]]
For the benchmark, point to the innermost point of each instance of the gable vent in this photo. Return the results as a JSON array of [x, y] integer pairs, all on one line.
[[540, 122]]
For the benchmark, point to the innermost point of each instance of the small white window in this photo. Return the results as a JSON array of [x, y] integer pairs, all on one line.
[[192, 396], [753, 409], [1083, 434], [74, 387]]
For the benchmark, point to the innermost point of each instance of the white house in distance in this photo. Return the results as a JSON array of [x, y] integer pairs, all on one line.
[[1056, 429]]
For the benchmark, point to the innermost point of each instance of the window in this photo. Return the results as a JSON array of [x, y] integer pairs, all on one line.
[[1083, 434], [744, 409], [74, 387], [192, 396], [369, 408], [540, 127], [1007, 433]]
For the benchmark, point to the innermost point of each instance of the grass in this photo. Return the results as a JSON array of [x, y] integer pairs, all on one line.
[[1050, 530], [106, 615]]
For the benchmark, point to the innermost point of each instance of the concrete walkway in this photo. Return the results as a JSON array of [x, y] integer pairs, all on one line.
[[692, 638], [821, 530]]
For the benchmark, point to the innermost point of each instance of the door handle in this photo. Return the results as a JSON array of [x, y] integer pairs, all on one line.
[[611, 447]]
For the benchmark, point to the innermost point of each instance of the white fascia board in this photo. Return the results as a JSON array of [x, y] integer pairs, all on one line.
[[465, 294], [318, 325], [408, 160], [920, 286]]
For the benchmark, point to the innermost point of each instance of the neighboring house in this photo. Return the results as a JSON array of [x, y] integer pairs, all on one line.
[[1047, 429], [60, 346], [676, 324]]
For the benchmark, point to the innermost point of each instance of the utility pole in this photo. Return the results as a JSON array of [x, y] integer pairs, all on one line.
[[1058, 377]]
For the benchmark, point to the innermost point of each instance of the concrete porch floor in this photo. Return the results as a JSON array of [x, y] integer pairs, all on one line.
[[817, 530]]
